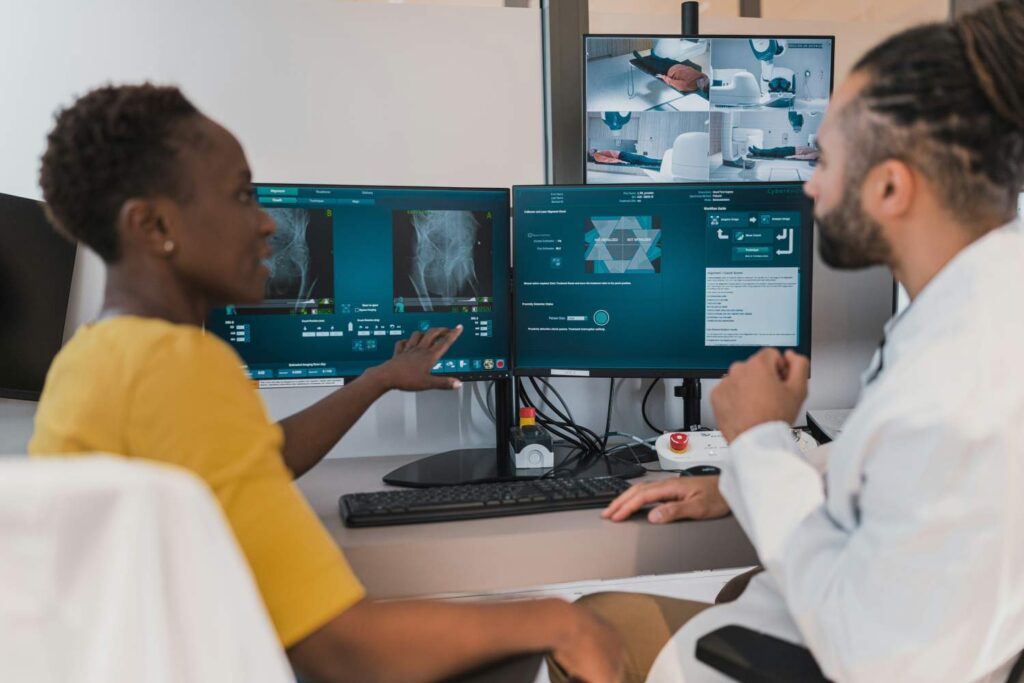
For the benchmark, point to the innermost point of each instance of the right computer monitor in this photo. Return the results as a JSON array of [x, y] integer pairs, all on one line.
[[667, 280], [664, 109]]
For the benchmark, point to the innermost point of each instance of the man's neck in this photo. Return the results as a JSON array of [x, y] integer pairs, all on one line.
[[927, 246]]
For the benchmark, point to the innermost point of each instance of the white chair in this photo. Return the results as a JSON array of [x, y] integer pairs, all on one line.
[[119, 570]]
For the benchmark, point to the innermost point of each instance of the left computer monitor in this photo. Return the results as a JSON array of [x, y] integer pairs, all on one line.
[[36, 265], [355, 269]]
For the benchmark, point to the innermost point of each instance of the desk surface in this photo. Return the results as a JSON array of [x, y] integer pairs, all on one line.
[[509, 552]]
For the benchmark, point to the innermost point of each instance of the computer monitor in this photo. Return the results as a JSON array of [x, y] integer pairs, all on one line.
[[658, 281], [36, 265], [355, 269], [664, 108]]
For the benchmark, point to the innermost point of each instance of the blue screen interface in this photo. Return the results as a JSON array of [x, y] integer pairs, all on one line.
[[658, 280], [356, 269]]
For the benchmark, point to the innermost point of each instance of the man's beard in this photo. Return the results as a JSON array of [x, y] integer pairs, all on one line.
[[850, 239]]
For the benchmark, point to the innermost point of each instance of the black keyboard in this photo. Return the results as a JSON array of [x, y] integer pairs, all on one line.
[[473, 501]]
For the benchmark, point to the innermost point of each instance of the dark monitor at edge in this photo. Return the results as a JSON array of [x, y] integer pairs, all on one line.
[[36, 265]]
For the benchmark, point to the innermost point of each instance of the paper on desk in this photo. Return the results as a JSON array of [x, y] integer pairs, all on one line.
[[702, 586], [830, 421]]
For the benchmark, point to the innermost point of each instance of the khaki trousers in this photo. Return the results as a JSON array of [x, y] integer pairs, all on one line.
[[646, 622]]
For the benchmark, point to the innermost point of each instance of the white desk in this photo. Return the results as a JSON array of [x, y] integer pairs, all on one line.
[[510, 552]]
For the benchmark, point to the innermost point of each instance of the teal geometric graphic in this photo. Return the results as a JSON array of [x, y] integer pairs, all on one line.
[[623, 244]]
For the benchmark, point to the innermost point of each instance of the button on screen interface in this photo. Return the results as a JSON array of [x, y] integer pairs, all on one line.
[[356, 269], [659, 278]]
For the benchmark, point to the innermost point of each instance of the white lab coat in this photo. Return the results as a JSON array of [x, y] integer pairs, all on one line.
[[908, 564]]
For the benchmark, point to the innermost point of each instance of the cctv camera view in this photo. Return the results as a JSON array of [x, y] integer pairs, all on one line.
[[674, 277], [357, 269], [627, 74], [665, 109], [644, 147]]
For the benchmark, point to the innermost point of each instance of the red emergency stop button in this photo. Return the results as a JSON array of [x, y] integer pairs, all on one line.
[[678, 442]]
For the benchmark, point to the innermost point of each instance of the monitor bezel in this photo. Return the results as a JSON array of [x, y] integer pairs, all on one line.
[[805, 302], [461, 376], [658, 36]]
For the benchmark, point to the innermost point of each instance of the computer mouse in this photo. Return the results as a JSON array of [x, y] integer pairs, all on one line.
[[700, 471]]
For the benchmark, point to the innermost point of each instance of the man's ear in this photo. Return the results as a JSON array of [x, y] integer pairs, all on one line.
[[889, 190], [148, 224]]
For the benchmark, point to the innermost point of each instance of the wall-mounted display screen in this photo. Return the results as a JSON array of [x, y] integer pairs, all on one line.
[[664, 109]]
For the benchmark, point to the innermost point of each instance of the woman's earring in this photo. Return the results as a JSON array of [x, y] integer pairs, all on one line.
[[168, 246]]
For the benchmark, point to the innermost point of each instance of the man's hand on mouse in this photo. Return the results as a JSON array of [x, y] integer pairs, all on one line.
[[766, 387], [676, 498]]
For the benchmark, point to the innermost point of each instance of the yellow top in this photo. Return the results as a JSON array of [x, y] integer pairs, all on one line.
[[146, 388]]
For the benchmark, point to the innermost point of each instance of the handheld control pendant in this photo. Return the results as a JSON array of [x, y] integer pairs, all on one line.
[[678, 451]]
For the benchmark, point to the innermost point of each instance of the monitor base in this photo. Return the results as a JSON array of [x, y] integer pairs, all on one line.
[[478, 465]]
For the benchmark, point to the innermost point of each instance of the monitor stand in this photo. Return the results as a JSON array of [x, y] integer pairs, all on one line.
[[690, 392], [477, 465]]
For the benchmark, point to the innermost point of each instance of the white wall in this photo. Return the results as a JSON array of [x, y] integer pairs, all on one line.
[[890, 11], [321, 91], [317, 91]]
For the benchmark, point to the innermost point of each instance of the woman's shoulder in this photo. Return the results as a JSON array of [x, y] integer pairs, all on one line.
[[134, 341]]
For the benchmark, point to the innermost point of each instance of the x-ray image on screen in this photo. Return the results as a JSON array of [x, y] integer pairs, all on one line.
[[301, 263], [442, 260], [623, 244]]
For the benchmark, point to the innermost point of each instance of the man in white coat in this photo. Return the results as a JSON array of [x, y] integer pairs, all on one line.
[[902, 558]]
